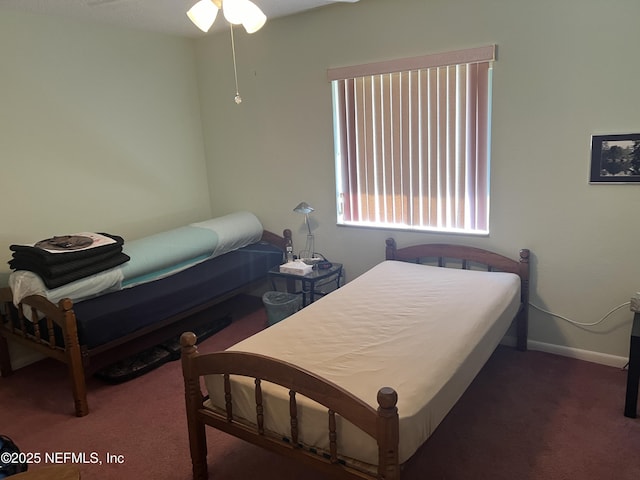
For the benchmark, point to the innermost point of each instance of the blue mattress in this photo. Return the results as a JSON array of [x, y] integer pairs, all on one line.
[[114, 315]]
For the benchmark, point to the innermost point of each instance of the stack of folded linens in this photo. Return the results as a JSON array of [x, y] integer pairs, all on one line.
[[63, 259]]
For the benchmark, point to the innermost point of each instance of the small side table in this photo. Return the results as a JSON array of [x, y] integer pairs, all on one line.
[[310, 283], [633, 374]]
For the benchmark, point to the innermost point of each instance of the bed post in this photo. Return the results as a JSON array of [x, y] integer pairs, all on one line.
[[193, 401], [73, 353], [388, 434], [522, 325], [278, 241], [390, 252]]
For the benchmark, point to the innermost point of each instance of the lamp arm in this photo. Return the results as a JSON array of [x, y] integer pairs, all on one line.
[[306, 217]]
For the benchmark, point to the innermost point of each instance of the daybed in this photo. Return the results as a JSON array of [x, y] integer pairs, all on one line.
[[354, 383], [172, 276]]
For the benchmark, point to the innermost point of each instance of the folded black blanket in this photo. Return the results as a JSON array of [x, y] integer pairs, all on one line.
[[91, 269], [49, 258], [35, 263]]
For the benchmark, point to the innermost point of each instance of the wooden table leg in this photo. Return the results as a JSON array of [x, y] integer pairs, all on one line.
[[633, 374]]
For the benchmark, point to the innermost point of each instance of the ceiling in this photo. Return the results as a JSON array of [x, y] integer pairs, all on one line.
[[164, 16]]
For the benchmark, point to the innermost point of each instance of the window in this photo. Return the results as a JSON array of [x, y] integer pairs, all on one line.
[[412, 142]]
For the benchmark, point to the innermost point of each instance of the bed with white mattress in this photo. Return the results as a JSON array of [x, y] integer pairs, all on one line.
[[376, 365], [170, 278]]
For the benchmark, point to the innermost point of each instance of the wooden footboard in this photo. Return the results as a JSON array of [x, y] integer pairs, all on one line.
[[44, 336], [56, 334], [381, 424]]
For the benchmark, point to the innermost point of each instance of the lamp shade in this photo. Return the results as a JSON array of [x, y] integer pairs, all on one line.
[[254, 18], [303, 207], [203, 14]]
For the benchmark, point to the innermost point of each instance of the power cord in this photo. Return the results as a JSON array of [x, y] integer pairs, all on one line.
[[615, 309]]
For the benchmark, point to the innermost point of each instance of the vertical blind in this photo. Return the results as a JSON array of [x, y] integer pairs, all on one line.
[[412, 141]]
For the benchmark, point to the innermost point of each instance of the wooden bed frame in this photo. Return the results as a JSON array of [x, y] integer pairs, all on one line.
[[382, 423], [81, 360]]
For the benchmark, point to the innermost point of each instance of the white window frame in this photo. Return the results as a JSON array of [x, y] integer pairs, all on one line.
[[412, 142]]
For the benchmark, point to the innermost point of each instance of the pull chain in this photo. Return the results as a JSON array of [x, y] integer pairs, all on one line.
[[237, 98]]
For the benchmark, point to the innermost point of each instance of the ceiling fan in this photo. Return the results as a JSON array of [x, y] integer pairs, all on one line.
[[203, 13], [236, 12]]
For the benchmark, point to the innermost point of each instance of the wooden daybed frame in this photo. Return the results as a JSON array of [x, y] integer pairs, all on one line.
[[382, 423], [81, 360]]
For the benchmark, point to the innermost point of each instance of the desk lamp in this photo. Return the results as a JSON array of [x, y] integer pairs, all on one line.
[[306, 209]]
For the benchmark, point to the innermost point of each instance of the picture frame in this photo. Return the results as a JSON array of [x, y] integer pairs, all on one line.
[[615, 159]]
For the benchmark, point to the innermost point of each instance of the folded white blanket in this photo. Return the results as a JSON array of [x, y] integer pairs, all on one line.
[[24, 283]]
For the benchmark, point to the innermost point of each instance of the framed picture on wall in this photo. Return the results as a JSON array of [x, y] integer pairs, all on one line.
[[615, 158]]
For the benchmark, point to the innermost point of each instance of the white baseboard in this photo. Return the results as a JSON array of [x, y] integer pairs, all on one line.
[[587, 355], [26, 359], [21, 356]]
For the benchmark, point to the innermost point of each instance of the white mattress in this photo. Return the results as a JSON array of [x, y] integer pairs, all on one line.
[[425, 331]]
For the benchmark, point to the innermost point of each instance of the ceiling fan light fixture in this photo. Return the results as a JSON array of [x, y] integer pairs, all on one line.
[[236, 12], [203, 14], [254, 18], [244, 12]]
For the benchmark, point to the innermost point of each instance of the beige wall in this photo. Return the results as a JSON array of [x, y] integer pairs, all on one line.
[[99, 130], [565, 71], [112, 119]]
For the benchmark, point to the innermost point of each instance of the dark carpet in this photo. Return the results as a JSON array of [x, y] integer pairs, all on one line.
[[528, 415]]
